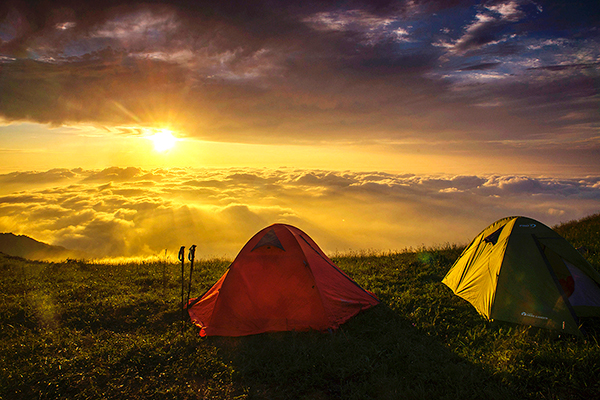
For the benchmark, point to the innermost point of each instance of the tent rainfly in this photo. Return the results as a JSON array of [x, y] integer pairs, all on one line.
[[519, 270], [280, 281]]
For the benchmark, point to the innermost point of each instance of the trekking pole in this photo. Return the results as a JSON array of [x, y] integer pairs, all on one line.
[[191, 256], [181, 257]]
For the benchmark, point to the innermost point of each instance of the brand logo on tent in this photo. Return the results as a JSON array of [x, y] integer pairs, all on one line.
[[527, 226], [526, 314]]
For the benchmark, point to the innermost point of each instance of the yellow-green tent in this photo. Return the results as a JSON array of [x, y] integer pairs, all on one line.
[[519, 270]]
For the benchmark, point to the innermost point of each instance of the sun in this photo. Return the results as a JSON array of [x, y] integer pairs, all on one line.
[[163, 140]]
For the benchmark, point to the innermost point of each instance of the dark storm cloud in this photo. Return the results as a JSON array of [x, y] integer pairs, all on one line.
[[493, 22], [280, 72], [483, 66], [568, 66]]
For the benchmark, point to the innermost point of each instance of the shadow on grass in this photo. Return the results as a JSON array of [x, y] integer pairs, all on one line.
[[152, 315], [376, 355]]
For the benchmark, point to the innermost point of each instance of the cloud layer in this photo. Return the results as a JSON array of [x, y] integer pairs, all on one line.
[[124, 212]]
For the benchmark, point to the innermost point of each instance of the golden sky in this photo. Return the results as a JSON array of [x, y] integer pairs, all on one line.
[[368, 124]]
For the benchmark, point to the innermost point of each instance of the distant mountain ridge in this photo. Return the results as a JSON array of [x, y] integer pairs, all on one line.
[[26, 247]]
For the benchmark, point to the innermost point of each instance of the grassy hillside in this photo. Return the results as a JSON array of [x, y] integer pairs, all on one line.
[[81, 330], [585, 235]]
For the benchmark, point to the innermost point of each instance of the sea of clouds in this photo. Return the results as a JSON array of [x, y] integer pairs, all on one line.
[[130, 212]]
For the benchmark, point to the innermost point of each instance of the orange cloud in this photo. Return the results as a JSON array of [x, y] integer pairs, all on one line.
[[120, 212]]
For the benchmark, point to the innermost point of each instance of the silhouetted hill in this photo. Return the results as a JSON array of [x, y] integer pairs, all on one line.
[[26, 247]]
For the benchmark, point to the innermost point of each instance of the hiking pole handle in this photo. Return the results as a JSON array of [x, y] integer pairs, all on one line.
[[192, 253]]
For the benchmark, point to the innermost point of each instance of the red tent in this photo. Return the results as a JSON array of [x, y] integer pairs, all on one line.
[[280, 281]]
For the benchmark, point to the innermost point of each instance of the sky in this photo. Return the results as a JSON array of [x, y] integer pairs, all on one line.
[[128, 128]]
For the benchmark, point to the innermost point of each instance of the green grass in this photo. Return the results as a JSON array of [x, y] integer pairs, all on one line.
[[585, 235], [80, 330]]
